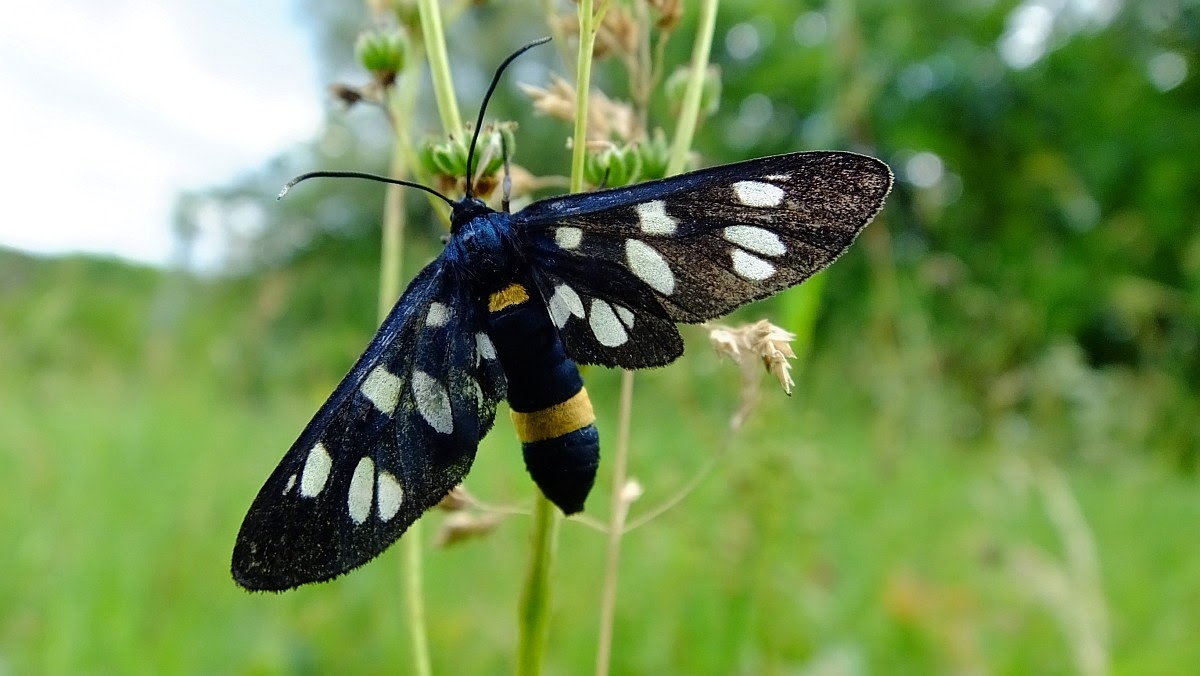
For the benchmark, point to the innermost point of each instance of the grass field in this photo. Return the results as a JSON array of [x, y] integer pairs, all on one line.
[[860, 526]]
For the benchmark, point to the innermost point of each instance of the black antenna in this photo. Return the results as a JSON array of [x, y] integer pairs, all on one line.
[[486, 98], [361, 174]]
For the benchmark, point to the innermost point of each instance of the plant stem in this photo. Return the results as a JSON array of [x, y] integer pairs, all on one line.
[[689, 118], [439, 65], [399, 106], [689, 115], [535, 597], [534, 612], [589, 22], [619, 510]]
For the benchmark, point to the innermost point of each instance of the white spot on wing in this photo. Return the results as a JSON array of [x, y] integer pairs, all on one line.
[[564, 303], [605, 325], [382, 388], [433, 403], [758, 194], [755, 239], [625, 315], [476, 391], [649, 266], [362, 485], [438, 314], [653, 218], [567, 237], [316, 471], [751, 267], [484, 347], [290, 482], [391, 495]]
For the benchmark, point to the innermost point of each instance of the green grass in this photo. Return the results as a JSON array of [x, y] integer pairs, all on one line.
[[830, 534]]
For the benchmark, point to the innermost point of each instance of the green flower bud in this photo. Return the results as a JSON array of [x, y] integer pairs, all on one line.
[[382, 53], [442, 156], [612, 166], [653, 155]]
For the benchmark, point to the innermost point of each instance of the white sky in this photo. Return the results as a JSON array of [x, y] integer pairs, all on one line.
[[108, 108]]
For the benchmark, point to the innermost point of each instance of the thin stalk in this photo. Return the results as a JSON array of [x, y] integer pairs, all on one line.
[[391, 262], [414, 591], [439, 65], [534, 612], [736, 422], [589, 23], [535, 597], [689, 115], [619, 510], [684, 133], [435, 49], [398, 105]]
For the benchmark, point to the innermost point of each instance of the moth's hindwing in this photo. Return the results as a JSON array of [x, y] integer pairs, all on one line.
[[606, 316], [397, 434], [618, 267]]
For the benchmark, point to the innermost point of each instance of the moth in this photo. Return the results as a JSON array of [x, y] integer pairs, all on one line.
[[508, 309]]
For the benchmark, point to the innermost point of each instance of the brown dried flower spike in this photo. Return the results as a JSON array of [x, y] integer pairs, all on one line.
[[760, 342], [608, 120]]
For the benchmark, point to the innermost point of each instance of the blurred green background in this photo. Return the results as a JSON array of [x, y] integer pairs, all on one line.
[[990, 464]]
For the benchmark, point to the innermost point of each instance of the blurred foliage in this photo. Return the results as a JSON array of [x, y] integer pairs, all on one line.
[[138, 424]]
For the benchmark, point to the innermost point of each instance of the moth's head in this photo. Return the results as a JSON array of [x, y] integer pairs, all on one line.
[[465, 210]]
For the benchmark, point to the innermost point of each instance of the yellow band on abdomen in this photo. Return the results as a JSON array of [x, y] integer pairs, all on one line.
[[555, 421]]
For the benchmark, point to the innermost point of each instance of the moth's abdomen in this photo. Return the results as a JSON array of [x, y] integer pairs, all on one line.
[[550, 407]]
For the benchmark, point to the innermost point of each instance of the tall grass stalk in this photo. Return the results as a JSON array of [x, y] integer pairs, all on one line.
[[689, 116], [399, 106], [439, 65], [400, 109], [1069, 585], [589, 24], [619, 508], [534, 611], [618, 511], [534, 615]]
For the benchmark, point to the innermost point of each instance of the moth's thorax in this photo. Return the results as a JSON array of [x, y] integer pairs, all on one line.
[[482, 248]]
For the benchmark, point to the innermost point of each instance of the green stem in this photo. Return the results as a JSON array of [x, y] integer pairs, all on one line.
[[414, 589], [619, 511], [535, 597], [439, 65], [434, 38], [534, 612], [589, 22], [690, 114], [399, 106], [684, 133]]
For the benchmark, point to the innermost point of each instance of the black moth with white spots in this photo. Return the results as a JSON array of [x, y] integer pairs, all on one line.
[[603, 276]]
